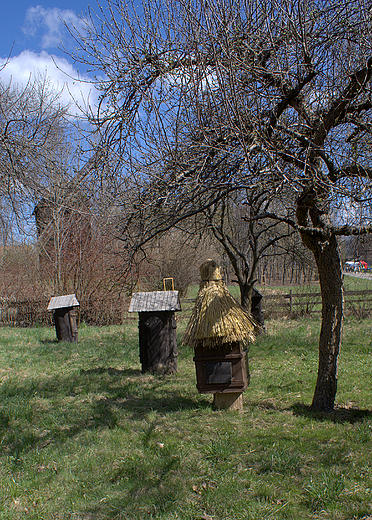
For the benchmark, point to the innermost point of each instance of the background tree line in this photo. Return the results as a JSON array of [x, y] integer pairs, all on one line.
[[62, 209]]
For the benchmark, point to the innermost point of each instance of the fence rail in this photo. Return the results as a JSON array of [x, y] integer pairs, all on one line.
[[357, 303], [114, 311], [26, 313]]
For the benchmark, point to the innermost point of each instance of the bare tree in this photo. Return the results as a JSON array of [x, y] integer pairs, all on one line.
[[42, 177], [194, 93], [30, 119], [245, 240]]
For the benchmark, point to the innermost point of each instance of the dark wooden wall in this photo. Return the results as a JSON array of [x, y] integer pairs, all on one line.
[[158, 342]]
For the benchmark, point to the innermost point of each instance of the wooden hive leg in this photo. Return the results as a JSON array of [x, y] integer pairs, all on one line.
[[228, 401]]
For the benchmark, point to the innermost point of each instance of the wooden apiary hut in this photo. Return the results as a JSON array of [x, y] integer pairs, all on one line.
[[219, 330], [65, 318], [157, 330]]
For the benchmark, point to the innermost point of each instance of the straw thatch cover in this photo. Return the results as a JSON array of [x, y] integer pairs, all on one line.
[[217, 317]]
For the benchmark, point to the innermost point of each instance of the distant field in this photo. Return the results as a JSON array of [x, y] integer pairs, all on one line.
[[85, 436]]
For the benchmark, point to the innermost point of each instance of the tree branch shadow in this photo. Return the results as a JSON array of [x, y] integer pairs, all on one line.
[[126, 395], [341, 414], [129, 372]]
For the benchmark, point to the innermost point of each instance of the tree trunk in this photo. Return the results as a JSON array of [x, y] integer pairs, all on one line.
[[328, 260], [246, 290], [324, 246]]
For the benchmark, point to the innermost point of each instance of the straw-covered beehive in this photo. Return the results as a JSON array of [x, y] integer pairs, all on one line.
[[217, 318]]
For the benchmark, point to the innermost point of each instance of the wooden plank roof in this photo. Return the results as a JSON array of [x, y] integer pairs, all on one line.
[[155, 301], [60, 302]]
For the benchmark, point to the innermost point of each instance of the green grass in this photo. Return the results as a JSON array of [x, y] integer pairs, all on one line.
[[353, 283], [85, 436]]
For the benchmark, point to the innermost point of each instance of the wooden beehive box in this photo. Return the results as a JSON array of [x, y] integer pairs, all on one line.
[[218, 330], [223, 370], [157, 329], [65, 317]]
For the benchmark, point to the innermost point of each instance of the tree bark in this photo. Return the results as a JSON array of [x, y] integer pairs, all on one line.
[[324, 246], [328, 260], [246, 290]]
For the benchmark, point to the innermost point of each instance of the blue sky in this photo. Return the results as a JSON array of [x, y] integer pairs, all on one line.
[[31, 33]]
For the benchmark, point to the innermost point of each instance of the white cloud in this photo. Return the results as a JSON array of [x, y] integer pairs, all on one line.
[[49, 24], [62, 76]]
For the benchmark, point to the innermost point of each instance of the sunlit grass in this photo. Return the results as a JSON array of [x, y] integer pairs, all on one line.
[[84, 435]]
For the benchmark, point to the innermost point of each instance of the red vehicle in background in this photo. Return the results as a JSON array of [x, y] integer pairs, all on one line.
[[356, 267]]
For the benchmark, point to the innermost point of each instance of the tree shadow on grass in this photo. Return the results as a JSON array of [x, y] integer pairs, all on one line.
[[48, 341], [128, 395], [338, 415], [139, 398], [111, 371]]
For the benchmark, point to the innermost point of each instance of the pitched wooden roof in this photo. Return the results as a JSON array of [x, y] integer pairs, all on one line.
[[60, 302], [155, 301]]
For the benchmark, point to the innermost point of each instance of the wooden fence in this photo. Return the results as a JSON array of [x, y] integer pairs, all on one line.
[[25, 313], [113, 311], [293, 304], [109, 311]]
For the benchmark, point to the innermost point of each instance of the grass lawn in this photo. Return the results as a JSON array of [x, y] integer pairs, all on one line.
[[85, 436]]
